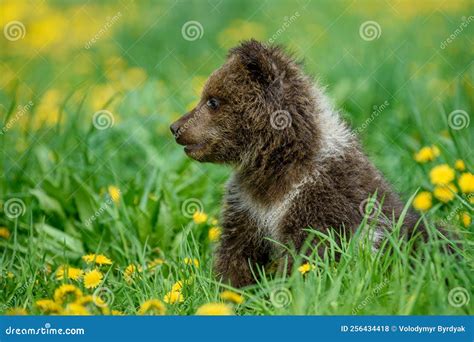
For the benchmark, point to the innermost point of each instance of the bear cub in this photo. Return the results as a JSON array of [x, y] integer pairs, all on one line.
[[296, 163]]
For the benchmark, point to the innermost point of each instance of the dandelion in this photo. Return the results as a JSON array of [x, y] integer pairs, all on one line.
[[466, 182], [92, 279], [426, 154], [232, 297], [466, 219], [67, 293], [72, 272], [99, 259], [305, 268], [423, 201], [75, 309], [173, 297], [17, 312], [155, 262], [131, 271], [199, 217], [114, 193], [214, 234], [117, 313], [189, 261], [152, 307], [442, 174], [178, 286], [4, 233], [214, 222], [214, 309], [445, 193], [48, 306], [459, 165]]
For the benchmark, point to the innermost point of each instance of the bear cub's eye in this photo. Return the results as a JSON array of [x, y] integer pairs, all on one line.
[[213, 103]]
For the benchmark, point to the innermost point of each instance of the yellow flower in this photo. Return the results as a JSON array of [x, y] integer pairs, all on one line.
[[173, 297], [17, 312], [214, 309], [214, 234], [214, 222], [426, 154], [305, 268], [152, 307], [48, 306], [155, 262], [92, 279], [99, 259], [466, 182], [131, 272], [445, 193], [466, 219], [423, 201], [72, 272], [199, 217], [442, 175], [232, 297], [117, 313], [67, 293], [189, 261], [133, 78], [459, 165], [4, 232], [75, 309], [114, 193], [178, 286]]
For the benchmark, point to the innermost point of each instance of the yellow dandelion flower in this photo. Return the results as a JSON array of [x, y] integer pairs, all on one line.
[[426, 154], [131, 271], [67, 293], [75, 309], [16, 312], [466, 219], [178, 286], [442, 174], [117, 313], [466, 182], [152, 307], [99, 259], [305, 268], [4, 233], [173, 297], [445, 193], [214, 222], [199, 217], [423, 201], [232, 297], [459, 165], [155, 262], [72, 272], [214, 234], [48, 306], [214, 309], [189, 261], [114, 193], [92, 279], [10, 275]]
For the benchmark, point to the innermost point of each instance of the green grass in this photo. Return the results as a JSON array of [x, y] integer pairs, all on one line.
[[61, 166]]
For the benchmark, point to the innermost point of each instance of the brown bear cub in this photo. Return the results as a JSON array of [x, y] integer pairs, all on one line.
[[297, 165]]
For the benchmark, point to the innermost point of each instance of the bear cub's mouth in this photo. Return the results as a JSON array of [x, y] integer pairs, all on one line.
[[189, 148]]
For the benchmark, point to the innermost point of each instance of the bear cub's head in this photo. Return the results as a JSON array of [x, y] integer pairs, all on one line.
[[258, 102]]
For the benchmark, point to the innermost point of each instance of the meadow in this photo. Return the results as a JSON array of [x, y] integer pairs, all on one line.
[[102, 212]]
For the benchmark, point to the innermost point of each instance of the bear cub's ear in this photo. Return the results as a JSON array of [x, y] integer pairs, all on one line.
[[260, 62]]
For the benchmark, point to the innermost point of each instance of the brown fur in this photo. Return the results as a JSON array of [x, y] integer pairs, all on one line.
[[287, 179]]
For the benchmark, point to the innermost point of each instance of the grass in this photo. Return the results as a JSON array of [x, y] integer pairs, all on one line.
[[140, 187]]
